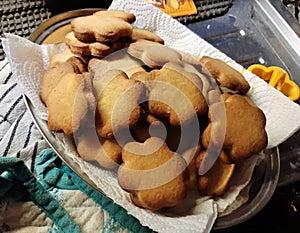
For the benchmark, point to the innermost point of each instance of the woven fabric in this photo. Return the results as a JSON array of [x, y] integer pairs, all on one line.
[[52, 175], [21, 17]]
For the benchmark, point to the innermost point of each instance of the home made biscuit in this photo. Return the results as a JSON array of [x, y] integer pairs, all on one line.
[[118, 101], [52, 76], [96, 49], [100, 28], [245, 123], [120, 60], [153, 54], [169, 84], [146, 112], [216, 180], [143, 34], [69, 102], [128, 17], [143, 174], [64, 56], [225, 74], [90, 147]]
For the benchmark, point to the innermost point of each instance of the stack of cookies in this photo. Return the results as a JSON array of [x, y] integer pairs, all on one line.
[[152, 114], [104, 32]]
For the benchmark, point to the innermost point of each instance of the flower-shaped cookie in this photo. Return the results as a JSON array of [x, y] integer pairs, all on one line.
[[143, 174], [245, 123]]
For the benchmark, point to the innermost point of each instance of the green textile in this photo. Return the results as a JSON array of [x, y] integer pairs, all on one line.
[[17, 178], [19, 183], [65, 178]]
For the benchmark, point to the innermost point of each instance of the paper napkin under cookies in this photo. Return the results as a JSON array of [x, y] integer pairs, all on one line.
[[28, 61], [283, 116]]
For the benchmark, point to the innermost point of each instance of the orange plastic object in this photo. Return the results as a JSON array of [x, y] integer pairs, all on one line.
[[278, 78], [175, 8]]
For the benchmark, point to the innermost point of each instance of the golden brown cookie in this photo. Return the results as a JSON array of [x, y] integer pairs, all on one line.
[[96, 49], [118, 101], [119, 60], [189, 58], [190, 157], [153, 54], [245, 127], [128, 17], [143, 174], [225, 74], [100, 28], [65, 56], [69, 102], [52, 76], [216, 180], [207, 82], [143, 34], [107, 152], [169, 85]]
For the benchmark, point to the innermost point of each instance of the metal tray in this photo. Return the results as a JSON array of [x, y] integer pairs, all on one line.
[[55, 23], [265, 177], [258, 31]]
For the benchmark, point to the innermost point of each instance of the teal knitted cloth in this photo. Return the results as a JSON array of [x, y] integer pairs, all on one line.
[[19, 183]]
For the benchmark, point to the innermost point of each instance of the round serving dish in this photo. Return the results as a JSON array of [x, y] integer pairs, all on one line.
[[263, 184], [54, 29], [266, 173]]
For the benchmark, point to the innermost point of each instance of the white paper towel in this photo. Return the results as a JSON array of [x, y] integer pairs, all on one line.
[[28, 61], [283, 116]]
